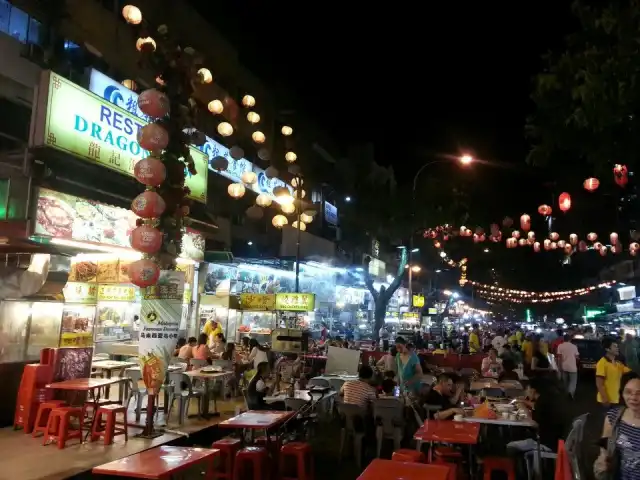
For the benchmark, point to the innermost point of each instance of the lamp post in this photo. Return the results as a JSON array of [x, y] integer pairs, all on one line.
[[464, 160]]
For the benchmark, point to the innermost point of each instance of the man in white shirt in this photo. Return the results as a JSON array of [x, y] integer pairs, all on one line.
[[498, 343], [568, 354]]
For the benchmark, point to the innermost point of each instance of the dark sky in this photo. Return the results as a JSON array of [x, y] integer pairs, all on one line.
[[415, 78]]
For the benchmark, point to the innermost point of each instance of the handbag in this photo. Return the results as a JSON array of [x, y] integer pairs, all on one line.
[[612, 453]]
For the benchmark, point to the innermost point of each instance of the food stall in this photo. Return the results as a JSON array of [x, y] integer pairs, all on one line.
[[223, 309]]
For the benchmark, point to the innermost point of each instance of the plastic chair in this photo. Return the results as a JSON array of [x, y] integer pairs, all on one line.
[[196, 363], [301, 452], [111, 428], [42, 417], [498, 464], [352, 415], [59, 426], [133, 379], [228, 448], [257, 457], [184, 395], [572, 446], [389, 416]]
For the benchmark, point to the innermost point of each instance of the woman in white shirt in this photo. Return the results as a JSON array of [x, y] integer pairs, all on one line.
[[258, 353], [388, 362]]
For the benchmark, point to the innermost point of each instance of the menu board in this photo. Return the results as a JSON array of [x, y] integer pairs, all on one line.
[[77, 325], [116, 293], [257, 301], [295, 302]]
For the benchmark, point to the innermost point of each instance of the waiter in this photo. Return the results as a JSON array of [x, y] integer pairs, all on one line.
[[211, 329]]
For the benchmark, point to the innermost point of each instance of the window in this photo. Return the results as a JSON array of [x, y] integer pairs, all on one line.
[[5, 13], [18, 24], [35, 32]]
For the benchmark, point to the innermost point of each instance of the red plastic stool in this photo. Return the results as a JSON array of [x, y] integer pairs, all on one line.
[[274, 443], [42, 417], [446, 454], [301, 451], [111, 429], [408, 455], [257, 458], [499, 464], [453, 469], [59, 425], [228, 448]]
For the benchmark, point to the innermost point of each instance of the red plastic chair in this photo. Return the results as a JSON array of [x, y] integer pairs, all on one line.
[[42, 417], [407, 455], [499, 464], [257, 458], [59, 426], [301, 452], [112, 426], [228, 448]]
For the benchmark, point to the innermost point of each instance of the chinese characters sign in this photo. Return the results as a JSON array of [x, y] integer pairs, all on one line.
[[296, 302], [418, 301], [73, 120], [257, 301], [79, 292], [116, 293]]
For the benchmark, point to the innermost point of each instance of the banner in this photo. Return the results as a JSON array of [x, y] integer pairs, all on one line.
[[160, 316]]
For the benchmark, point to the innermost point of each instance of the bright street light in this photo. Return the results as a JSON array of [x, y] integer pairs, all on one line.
[[249, 243], [347, 199], [416, 268], [443, 254], [466, 159], [415, 250], [486, 250], [438, 271]]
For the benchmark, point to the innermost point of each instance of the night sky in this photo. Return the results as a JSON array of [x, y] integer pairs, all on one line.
[[416, 79]]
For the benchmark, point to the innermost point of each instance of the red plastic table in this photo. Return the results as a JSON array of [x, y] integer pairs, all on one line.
[[257, 420], [158, 463], [388, 470], [447, 431]]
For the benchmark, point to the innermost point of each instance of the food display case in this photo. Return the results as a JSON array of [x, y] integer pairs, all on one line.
[[256, 324], [116, 321]]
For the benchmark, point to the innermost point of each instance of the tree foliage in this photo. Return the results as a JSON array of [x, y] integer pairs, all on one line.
[[587, 99]]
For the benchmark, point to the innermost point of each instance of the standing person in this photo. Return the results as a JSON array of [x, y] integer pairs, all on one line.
[[630, 352], [324, 332], [474, 339], [408, 367], [568, 354], [608, 373], [498, 343], [211, 329], [558, 341]]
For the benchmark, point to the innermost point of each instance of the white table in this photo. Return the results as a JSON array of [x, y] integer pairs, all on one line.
[[299, 394], [208, 376], [109, 366]]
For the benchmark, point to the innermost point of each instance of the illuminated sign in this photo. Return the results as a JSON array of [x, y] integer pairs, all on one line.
[[119, 95], [72, 120], [117, 293], [80, 292], [257, 301], [330, 213], [418, 301], [296, 302]]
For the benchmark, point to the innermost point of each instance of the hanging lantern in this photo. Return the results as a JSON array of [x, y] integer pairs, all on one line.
[[248, 101], [311, 212], [288, 208], [236, 152], [525, 222], [437, 244], [279, 221], [263, 200], [582, 246], [146, 44], [620, 175], [215, 107], [515, 234], [597, 246], [544, 210], [531, 235], [204, 75], [153, 137], [130, 84], [554, 236], [254, 212], [249, 177], [476, 238], [536, 247], [306, 218], [511, 242], [617, 248], [561, 244], [633, 253], [144, 273], [302, 193], [564, 201], [507, 222], [547, 244], [150, 171], [286, 130], [522, 242], [463, 229], [300, 225], [271, 172], [219, 163], [603, 250], [132, 14], [225, 129], [573, 239], [495, 229], [614, 238], [591, 184], [290, 157], [592, 237], [567, 249], [146, 238], [554, 245], [264, 154], [258, 137], [634, 246], [148, 205], [154, 103], [236, 190], [253, 117], [296, 181]]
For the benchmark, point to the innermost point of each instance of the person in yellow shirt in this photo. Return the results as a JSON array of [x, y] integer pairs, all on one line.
[[527, 351], [608, 374], [474, 340], [212, 328], [544, 346]]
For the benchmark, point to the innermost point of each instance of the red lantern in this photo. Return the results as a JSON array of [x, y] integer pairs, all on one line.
[[634, 246], [515, 234], [564, 201], [536, 247], [620, 175], [495, 229], [547, 244], [522, 242], [603, 250], [437, 244], [554, 236], [146, 239], [150, 171], [617, 248], [153, 137], [463, 229], [476, 238], [614, 238], [591, 184], [507, 222], [154, 103], [531, 235], [148, 205], [482, 238], [567, 249], [144, 273], [573, 239], [545, 210], [582, 246], [633, 252], [525, 222], [597, 246], [554, 245], [511, 242], [592, 237], [561, 244]]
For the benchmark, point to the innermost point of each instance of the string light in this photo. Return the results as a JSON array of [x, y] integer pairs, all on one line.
[[492, 292]]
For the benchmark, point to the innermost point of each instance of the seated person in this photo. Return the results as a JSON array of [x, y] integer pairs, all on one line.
[[360, 392], [181, 343], [508, 371], [388, 361], [201, 350], [257, 389], [446, 396], [186, 351], [491, 364], [388, 389]]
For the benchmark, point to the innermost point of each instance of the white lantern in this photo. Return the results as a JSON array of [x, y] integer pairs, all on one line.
[[288, 208], [279, 221], [300, 194], [306, 218], [253, 117], [258, 136], [205, 75], [248, 101], [215, 107], [263, 200], [236, 190], [249, 178], [146, 41], [254, 212], [132, 14], [225, 129], [296, 181], [290, 157], [286, 130], [303, 226]]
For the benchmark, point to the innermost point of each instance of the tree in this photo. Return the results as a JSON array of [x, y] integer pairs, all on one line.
[[381, 297], [587, 98]]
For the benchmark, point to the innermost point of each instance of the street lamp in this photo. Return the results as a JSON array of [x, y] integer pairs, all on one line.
[[465, 159]]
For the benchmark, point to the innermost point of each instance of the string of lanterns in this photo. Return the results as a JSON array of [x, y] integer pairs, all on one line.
[[492, 292]]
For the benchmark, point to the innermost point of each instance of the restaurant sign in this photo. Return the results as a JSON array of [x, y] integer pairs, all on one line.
[[80, 292], [70, 119], [295, 302], [258, 301], [119, 95], [116, 293]]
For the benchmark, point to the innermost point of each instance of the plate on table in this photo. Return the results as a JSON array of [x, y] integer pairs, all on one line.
[[211, 369]]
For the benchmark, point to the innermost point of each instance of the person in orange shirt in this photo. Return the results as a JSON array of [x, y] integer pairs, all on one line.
[[201, 350]]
